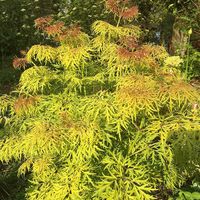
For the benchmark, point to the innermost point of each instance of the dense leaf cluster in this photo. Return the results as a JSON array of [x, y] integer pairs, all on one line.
[[100, 117]]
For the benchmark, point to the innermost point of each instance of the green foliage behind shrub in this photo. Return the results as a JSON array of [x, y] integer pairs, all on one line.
[[9, 77]]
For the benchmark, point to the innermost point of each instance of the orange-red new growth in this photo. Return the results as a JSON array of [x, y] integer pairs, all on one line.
[[113, 6], [42, 22], [19, 62], [124, 53], [55, 29], [117, 7], [74, 31], [129, 13], [138, 54], [130, 42], [23, 103], [71, 32]]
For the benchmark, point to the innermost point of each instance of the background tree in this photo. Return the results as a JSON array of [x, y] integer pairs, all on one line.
[[18, 33], [16, 21]]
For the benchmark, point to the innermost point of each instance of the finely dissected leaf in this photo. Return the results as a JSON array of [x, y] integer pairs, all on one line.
[[73, 58], [36, 79], [109, 31], [43, 54]]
